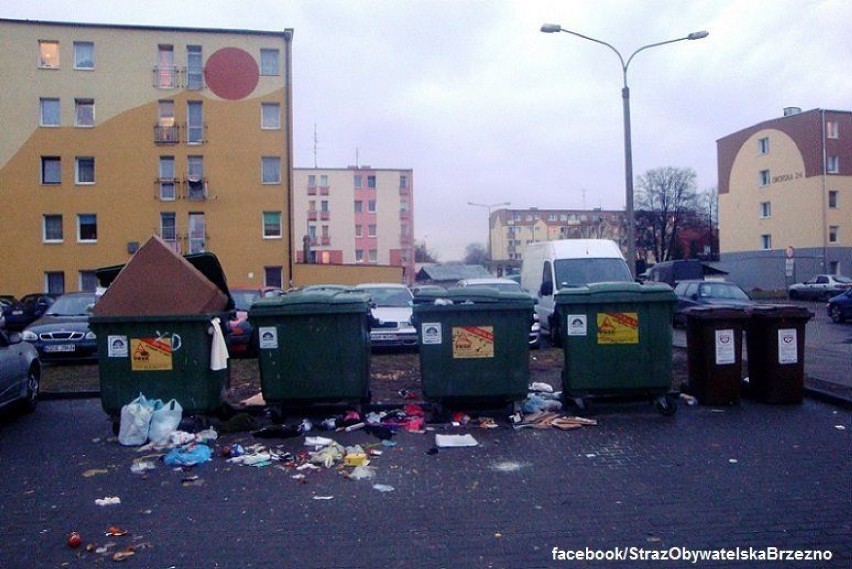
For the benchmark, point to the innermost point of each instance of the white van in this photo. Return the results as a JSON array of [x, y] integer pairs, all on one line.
[[550, 265]]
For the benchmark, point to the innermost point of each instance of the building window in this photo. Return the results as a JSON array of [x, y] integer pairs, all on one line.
[[373, 255], [359, 255], [48, 54], [269, 62], [197, 233], [763, 145], [166, 131], [312, 181], [194, 122], [272, 225], [194, 68], [832, 199], [196, 185], [54, 282], [84, 172], [766, 242], [165, 71], [84, 112], [764, 178], [765, 209], [48, 112], [371, 230], [371, 206], [358, 181], [270, 116], [88, 281], [167, 178], [832, 129], [51, 170], [272, 276], [84, 55], [359, 231], [371, 181], [52, 228], [87, 228], [324, 181], [832, 164], [403, 182], [324, 206], [168, 228], [358, 206], [833, 233], [271, 166]]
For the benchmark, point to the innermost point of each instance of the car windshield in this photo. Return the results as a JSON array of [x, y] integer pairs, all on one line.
[[243, 299], [723, 291], [579, 272], [389, 296], [75, 305]]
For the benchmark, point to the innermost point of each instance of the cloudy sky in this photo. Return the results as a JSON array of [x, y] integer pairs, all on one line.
[[485, 108]]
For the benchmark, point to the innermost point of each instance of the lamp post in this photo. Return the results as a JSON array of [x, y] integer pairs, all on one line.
[[628, 150], [489, 206]]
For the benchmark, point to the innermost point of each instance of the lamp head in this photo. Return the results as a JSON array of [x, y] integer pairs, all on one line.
[[551, 28], [698, 35]]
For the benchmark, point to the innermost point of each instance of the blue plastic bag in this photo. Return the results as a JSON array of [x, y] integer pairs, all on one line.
[[189, 455]]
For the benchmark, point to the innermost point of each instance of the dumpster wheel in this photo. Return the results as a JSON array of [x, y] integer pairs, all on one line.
[[666, 405]]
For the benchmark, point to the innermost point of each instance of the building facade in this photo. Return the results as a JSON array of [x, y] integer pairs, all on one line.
[[113, 134], [785, 199], [510, 230], [355, 215]]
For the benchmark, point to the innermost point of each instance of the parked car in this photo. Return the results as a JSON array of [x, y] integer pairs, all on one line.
[[840, 307], [30, 308], [707, 293], [7, 305], [507, 285], [20, 373], [821, 287], [240, 330], [62, 333], [391, 310]]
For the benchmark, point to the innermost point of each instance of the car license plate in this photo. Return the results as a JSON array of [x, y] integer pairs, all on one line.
[[17, 312], [60, 348], [384, 337]]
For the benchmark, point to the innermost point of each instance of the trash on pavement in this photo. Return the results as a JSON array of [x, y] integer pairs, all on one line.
[[108, 501], [542, 420], [383, 488], [94, 472], [541, 386], [361, 473], [189, 455], [74, 540], [454, 441], [536, 403]]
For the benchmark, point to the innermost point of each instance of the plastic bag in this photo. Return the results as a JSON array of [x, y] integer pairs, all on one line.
[[135, 421], [189, 455], [164, 422]]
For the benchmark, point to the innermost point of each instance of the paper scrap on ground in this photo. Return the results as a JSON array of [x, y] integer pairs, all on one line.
[[453, 441]]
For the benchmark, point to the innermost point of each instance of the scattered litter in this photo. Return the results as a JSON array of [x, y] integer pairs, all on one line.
[[543, 420], [239, 423], [536, 403], [454, 441], [591, 455], [277, 432], [733, 460], [94, 472], [254, 400], [108, 501], [840, 427], [123, 555], [328, 455], [355, 427], [689, 399], [298, 477], [308, 466], [74, 540], [115, 531], [142, 466], [355, 459], [541, 386], [192, 481], [317, 441], [323, 498], [383, 488], [189, 455], [362, 473], [509, 466], [388, 443], [306, 426]]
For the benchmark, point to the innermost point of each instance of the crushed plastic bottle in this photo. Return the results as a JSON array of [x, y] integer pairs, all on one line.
[[383, 488]]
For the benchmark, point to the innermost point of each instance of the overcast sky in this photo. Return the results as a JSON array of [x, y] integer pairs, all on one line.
[[485, 108]]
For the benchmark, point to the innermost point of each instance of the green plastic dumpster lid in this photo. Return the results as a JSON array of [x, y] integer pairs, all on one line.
[[474, 295], [615, 292], [318, 301]]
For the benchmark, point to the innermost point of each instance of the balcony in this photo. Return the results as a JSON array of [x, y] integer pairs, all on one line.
[[166, 134], [325, 215], [326, 240], [166, 77], [312, 190], [195, 189], [323, 190], [312, 216]]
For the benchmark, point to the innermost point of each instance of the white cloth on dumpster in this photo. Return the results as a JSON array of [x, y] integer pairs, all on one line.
[[218, 348]]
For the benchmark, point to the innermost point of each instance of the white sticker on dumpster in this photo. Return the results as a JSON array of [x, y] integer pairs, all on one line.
[[267, 337], [577, 325], [725, 347], [431, 333], [117, 347], [787, 346]]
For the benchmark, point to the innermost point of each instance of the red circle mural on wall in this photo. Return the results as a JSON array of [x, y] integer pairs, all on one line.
[[231, 73]]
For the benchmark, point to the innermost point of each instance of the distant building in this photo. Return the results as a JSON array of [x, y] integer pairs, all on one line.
[[355, 215], [785, 189], [512, 229], [112, 134]]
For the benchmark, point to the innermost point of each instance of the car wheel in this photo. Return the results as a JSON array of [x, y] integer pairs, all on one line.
[[30, 402], [834, 312]]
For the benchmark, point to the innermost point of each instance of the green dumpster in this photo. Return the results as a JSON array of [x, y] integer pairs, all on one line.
[[313, 347], [617, 341], [473, 345], [163, 357]]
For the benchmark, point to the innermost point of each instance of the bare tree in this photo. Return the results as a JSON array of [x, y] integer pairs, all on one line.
[[475, 254], [422, 254], [665, 200]]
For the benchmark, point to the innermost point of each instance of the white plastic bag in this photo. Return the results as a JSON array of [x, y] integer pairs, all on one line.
[[135, 421], [164, 422]]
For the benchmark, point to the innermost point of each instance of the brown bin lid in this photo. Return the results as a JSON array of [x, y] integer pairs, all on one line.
[[717, 312]]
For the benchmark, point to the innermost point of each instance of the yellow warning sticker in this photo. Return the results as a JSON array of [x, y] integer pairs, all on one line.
[[150, 354], [618, 328], [473, 342]]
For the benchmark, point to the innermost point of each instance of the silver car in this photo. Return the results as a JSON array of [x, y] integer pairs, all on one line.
[[20, 373], [391, 310], [821, 287]]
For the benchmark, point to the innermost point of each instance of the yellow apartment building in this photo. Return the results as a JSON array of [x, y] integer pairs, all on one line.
[[785, 199], [112, 134]]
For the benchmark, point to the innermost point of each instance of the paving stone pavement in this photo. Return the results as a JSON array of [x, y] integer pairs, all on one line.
[[747, 476]]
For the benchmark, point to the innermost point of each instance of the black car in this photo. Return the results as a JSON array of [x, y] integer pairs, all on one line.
[[840, 307], [708, 293], [28, 309], [63, 333]]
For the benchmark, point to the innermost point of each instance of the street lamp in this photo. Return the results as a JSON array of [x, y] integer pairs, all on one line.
[[628, 151], [489, 206]]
